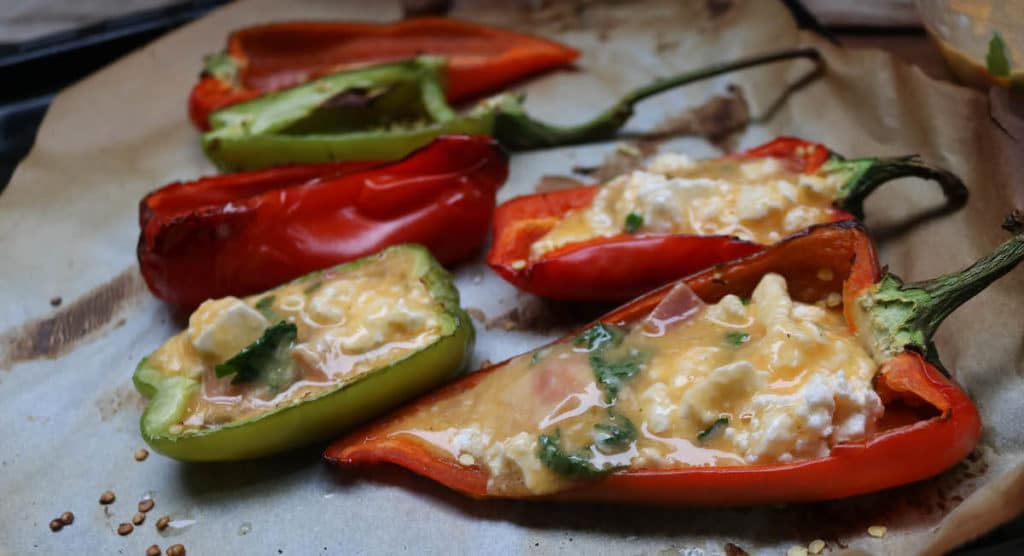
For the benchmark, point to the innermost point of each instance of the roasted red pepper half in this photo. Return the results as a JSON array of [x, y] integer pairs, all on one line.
[[239, 234], [265, 58], [928, 423], [622, 266]]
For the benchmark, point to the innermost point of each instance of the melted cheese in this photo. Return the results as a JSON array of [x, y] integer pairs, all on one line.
[[348, 323], [757, 200], [770, 380]]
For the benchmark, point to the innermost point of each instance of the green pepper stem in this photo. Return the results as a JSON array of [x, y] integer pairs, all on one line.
[[953, 290], [870, 173], [908, 314], [515, 129]]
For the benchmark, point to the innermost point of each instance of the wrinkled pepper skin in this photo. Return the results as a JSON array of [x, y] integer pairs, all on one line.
[[325, 414], [479, 59], [618, 268], [243, 233], [944, 429]]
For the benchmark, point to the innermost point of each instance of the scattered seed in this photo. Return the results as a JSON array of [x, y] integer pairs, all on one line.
[[107, 497], [162, 523], [175, 550], [796, 551], [833, 300], [56, 525], [67, 518], [816, 546], [55, 301], [146, 505], [153, 550], [467, 459], [518, 264], [877, 531], [138, 518], [125, 529], [141, 454]]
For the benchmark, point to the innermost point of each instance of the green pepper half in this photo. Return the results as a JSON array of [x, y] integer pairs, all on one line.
[[385, 112], [327, 412]]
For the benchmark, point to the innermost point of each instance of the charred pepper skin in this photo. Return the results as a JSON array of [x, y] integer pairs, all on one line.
[[239, 234], [592, 270], [383, 112], [939, 437], [479, 59], [325, 414]]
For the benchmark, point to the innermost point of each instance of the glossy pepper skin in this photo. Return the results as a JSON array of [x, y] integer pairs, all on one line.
[[383, 112], [594, 270], [242, 233], [930, 424], [325, 414], [479, 59]]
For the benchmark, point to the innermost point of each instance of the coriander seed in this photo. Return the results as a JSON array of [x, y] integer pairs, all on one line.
[[141, 454], [67, 518], [56, 525], [107, 497], [125, 529], [176, 550], [153, 550], [138, 518], [146, 505], [162, 523]]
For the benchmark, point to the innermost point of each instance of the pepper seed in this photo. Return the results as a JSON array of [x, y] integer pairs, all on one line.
[[153, 550], [146, 505], [67, 518], [125, 529], [175, 550], [141, 454], [56, 525], [107, 497], [162, 523], [138, 518]]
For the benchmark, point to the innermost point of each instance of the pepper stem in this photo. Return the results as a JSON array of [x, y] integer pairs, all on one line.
[[908, 314], [867, 174], [515, 129]]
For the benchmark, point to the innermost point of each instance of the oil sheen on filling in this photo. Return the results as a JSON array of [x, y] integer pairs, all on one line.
[[741, 382], [347, 323], [758, 200]]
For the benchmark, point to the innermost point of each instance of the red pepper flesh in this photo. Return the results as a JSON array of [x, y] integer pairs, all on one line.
[[624, 266], [929, 424], [275, 56], [239, 234]]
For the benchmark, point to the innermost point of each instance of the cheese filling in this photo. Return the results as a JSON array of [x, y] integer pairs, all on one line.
[[757, 200], [742, 382], [346, 323]]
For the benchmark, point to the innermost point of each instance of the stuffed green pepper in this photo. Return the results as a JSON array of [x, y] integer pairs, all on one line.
[[300, 363]]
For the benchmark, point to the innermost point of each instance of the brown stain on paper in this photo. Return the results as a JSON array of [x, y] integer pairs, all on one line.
[[123, 397], [51, 337]]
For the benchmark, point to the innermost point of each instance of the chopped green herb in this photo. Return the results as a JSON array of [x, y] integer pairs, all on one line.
[[612, 374], [267, 358], [571, 465], [713, 430], [312, 287], [598, 337], [737, 338], [537, 355], [633, 222], [998, 60], [266, 306], [615, 435], [745, 300]]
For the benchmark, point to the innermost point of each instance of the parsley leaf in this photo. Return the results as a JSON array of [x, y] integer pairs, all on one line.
[[612, 374], [267, 357], [633, 222], [266, 306], [571, 465], [598, 337], [997, 60], [312, 287], [737, 338], [616, 435], [713, 430]]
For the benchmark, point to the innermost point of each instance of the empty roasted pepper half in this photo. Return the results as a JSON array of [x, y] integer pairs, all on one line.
[[383, 112], [678, 216], [479, 59], [239, 234], [304, 361], [798, 373]]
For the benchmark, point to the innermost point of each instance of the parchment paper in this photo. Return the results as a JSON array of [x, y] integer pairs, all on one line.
[[68, 227]]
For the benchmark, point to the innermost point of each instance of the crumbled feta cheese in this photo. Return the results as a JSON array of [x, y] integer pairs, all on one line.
[[730, 311], [519, 454], [658, 409], [723, 390], [761, 168], [757, 201], [222, 327], [799, 218], [671, 164]]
